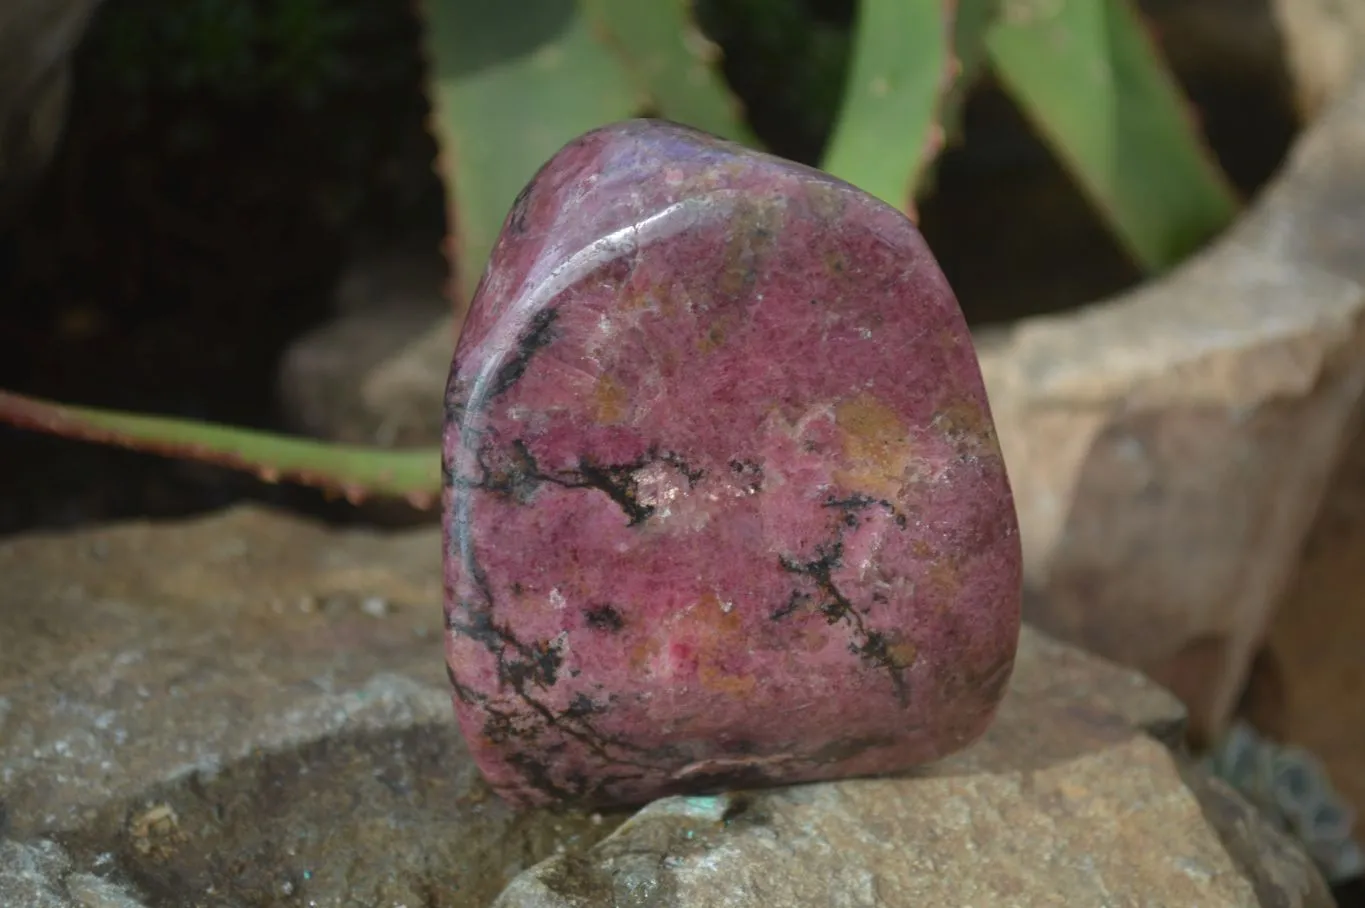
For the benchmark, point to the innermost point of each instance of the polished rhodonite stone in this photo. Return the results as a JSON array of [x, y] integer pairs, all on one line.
[[724, 502]]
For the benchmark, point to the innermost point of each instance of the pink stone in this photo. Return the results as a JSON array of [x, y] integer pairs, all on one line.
[[724, 503]]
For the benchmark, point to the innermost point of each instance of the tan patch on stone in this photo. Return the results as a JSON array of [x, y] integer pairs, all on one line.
[[714, 677], [717, 628], [902, 654], [834, 261], [714, 336], [815, 639], [609, 400], [875, 446], [710, 630], [967, 426], [827, 201], [944, 578]]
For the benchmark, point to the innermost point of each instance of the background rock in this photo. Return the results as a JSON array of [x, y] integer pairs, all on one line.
[[1314, 699], [37, 39], [247, 710], [1306, 48], [1323, 40], [1065, 801], [1293, 790], [376, 373], [1169, 448], [1266, 856]]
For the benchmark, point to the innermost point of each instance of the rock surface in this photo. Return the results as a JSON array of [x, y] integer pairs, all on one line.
[[37, 40], [1064, 801], [247, 710], [1170, 448], [1323, 41], [1316, 638], [724, 500], [1309, 47], [41, 875], [374, 374]]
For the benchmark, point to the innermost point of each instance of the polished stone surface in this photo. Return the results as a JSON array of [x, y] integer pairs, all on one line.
[[725, 506]]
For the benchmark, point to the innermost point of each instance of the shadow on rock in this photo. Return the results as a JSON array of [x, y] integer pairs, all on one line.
[[385, 818]]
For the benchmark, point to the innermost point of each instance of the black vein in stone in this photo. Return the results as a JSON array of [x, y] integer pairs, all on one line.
[[537, 336], [531, 665], [617, 482], [870, 645], [516, 218], [693, 475], [522, 475], [751, 472], [605, 617], [859, 502]]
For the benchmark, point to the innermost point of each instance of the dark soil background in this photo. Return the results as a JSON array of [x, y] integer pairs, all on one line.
[[203, 200]]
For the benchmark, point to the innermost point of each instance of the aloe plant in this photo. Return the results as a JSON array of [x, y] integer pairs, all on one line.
[[1088, 76], [354, 472], [512, 82]]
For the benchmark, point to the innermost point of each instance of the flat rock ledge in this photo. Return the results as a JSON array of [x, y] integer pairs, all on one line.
[[251, 710]]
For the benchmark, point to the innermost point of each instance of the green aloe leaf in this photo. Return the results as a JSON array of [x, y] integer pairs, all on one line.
[[352, 471], [889, 129], [670, 59], [512, 83], [971, 22], [1092, 82]]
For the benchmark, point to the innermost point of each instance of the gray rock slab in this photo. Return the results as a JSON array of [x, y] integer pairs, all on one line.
[[251, 710], [243, 710]]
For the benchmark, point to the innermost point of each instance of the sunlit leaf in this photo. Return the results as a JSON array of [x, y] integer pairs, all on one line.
[[1088, 76], [670, 60], [888, 128], [352, 471], [512, 83], [970, 24]]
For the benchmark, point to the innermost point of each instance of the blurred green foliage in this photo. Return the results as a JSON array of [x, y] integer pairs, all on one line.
[[868, 89]]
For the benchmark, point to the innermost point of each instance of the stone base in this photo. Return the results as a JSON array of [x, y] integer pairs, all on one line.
[[249, 709]]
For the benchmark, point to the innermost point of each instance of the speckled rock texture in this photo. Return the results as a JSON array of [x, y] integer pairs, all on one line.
[[725, 503], [248, 711], [1068, 799], [242, 711], [1170, 448]]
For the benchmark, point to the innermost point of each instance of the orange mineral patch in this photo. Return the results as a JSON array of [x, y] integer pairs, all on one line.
[[711, 633], [827, 202], [713, 676], [714, 336], [902, 653], [876, 446], [944, 577], [754, 226], [965, 424], [609, 400]]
